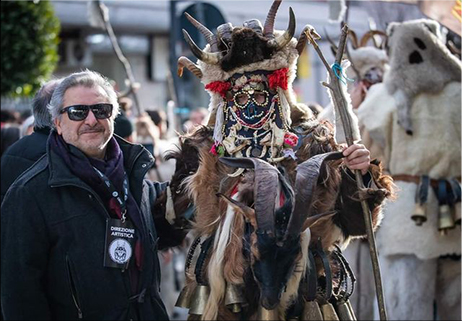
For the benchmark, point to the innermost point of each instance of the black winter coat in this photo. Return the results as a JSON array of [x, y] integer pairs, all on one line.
[[22, 155], [52, 242]]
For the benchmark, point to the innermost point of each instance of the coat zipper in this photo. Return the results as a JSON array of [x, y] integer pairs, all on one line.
[[73, 289]]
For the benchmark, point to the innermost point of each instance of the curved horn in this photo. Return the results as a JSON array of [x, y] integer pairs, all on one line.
[[209, 36], [304, 38], [284, 39], [212, 58], [268, 30], [265, 189], [370, 34], [305, 186], [354, 38], [192, 67]]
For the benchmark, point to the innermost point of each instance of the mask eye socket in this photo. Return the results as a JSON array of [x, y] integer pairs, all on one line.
[[260, 98], [241, 99]]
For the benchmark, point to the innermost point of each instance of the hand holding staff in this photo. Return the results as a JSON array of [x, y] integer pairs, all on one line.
[[341, 105]]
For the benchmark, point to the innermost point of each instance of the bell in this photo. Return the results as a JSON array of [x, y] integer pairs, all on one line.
[[328, 312], [457, 213], [184, 299], [311, 311], [445, 219], [343, 311], [199, 299], [234, 298], [419, 215], [264, 314], [352, 312]]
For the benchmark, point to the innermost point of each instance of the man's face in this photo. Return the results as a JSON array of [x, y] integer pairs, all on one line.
[[90, 135]]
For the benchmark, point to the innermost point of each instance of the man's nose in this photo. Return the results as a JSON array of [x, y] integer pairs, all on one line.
[[91, 119]]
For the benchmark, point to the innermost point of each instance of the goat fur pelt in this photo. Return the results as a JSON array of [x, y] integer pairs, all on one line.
[[203, 178]]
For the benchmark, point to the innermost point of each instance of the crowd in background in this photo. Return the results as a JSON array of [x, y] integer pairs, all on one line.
[[150, 129]]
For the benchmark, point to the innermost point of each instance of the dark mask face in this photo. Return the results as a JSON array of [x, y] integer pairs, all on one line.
[[252, 111], [251, 103]]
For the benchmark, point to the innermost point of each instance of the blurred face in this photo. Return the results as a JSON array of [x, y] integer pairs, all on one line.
[[197, 117], [91, 135]]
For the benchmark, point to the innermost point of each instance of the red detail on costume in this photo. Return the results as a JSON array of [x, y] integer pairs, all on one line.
[[234, 190], [220, 87], [290, 139], [282, 199], [213, 150], [278, 78]]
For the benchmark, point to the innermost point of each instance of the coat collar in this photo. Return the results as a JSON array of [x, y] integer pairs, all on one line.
[[135, 155]]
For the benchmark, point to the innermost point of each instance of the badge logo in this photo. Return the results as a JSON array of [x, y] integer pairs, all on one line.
[[120, 251]]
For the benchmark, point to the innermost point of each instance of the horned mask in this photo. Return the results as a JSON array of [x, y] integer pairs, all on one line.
[[248, 71]]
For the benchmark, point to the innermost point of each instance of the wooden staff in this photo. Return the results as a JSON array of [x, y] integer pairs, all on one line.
[[341, 106]]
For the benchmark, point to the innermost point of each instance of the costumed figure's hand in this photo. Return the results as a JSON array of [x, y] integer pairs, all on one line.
[[357, 156]]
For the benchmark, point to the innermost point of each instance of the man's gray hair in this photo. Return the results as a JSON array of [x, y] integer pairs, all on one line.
[[89, 79], [42, 98]]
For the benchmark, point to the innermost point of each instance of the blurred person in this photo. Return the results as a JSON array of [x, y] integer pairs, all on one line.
[[30, 148], [9, 117], [24, 115], [414, 115], [159, 117], [197, 117], [78, 227], [124, 125], [10, 135], [126, 106], [165, 167], [147, 132], [124, 128], [27, 126]]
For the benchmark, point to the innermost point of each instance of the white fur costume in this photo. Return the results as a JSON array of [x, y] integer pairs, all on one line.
[[435, 150], [422, 91]]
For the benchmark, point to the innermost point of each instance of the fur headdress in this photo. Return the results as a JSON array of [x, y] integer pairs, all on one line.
[[251, 47]]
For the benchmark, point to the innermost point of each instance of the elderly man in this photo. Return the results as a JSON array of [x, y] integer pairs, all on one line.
[[78, 236]]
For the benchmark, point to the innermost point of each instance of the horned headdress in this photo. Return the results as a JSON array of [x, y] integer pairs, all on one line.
[[248, 71]]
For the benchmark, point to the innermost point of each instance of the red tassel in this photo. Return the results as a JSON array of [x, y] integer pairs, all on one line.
[[220, 87], [278, 79]]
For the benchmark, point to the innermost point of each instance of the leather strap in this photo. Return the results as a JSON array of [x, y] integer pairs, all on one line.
[[312, 277], [421, 195], [325, 262], [205, 246]]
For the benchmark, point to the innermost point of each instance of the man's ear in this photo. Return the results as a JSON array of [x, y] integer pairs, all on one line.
[[57, 122]]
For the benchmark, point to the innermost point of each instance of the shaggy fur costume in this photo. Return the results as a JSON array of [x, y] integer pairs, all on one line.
[[247, 212], [412, 266], [335, 192], [419, 63]]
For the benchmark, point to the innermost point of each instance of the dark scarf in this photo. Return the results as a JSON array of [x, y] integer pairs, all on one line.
[[113, 167]]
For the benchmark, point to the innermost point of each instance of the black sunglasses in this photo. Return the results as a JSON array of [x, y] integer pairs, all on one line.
[[80, 112]]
